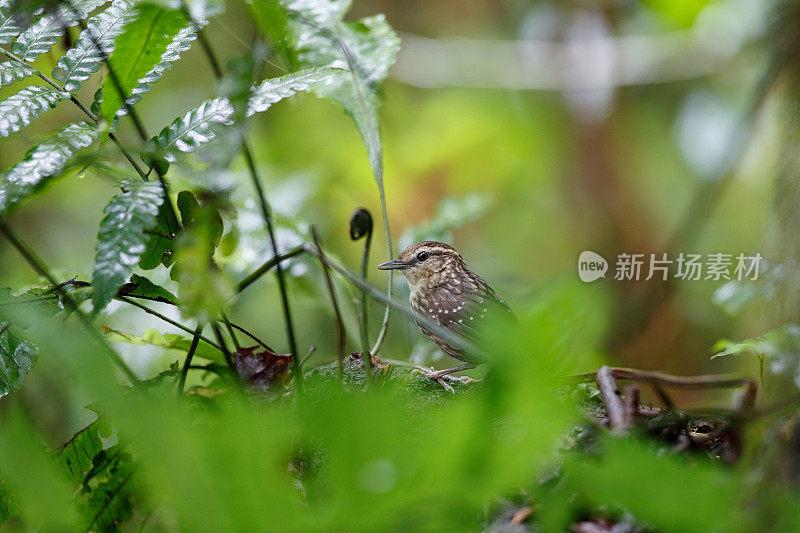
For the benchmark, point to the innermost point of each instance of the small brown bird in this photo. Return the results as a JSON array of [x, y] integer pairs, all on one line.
[[445, 291]]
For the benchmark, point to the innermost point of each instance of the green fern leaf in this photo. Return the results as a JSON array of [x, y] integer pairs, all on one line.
[[197, 127], [10, 27], [19, 110], [44, 162], [44, 33], [367, 48], [93, 45], [121, 238], [144, 51], [17, 356], [12, 71]]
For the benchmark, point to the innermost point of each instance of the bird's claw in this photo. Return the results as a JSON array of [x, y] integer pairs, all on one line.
[[441, 377]]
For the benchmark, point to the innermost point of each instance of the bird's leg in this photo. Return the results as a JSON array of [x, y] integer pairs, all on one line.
[[442, 375]]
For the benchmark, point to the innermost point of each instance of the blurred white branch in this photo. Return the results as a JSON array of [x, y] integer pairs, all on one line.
[[590, 64]]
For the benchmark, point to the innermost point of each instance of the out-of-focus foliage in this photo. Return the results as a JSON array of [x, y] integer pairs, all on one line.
[[642, 135]]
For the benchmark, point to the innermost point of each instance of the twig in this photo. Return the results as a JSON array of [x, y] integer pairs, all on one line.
[[258, 341], [168, 320], [614, 407], [40, 267], [187, 363], [668, 380], [225, 351], [311, 351], [229, 327], [631, 403], [329, 282], [268, 265]]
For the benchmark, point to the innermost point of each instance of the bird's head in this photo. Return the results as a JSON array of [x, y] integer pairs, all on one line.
[[427, 263]]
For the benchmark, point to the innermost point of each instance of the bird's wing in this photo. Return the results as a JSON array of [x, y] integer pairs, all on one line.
[[461, 305]]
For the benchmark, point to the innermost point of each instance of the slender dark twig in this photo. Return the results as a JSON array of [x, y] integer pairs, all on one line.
[[168, 320], [229, 327], [258, 341], [225, 351], [329, 282], [40, 267], [311, 351], [267, 266], [187, 363], [614, 406]]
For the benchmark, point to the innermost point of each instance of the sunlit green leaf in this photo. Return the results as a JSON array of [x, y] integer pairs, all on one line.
[[143, 52], [20, 109], [93, 45], [10, 27], [12, 71], [44, 162], [44, 33], [168, 341], [366, 48], [75, 456], [121, 238], [17, 357], [197, 127]]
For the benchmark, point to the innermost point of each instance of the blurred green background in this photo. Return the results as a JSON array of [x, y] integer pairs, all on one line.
[[535, 130]]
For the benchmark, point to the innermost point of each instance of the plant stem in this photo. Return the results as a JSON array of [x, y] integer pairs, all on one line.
[[265, 213], [168, 320], [43, 271], [335, 304], [269, 264], [187, 363], [229, 327], [362, 302], [225, 351]]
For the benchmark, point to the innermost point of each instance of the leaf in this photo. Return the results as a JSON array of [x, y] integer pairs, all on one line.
[[8, 505], [260, 369], [146, 49], [160, 240], [93, 45], [144, 288], [168, 341], [9, 25], [366, 48], [17, 356], [121, 238], [44, 162], [44, 33], [19, 110], [12, 71], [187, 133], [108, 490], [202, 285], [75, 456]]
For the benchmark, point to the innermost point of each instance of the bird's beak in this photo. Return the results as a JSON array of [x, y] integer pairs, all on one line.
[[394, 264]]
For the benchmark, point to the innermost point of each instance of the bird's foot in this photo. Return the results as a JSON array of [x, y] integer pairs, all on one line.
[[443, 376]]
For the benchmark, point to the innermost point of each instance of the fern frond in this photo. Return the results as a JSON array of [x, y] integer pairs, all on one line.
[[93, 45], [180, 43], [196, 127], [12, 71], [121, 238], [44, 162], [9, 26], [20, 109], [44, 33]]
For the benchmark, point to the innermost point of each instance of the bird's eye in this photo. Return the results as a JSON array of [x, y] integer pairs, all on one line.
[[422, 256]]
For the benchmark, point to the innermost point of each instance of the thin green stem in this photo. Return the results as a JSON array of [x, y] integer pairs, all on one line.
[[39, 266], [339, 322], [187, 363], [229, 327], [265, 213], [168, 320], [267, 266], [225, 351], [362, 300]]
